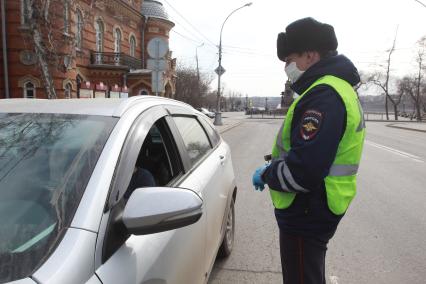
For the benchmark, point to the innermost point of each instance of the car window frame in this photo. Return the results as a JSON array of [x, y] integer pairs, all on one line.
[[180, 111], [129, 153], [194, 117], [125, 165], [205, 123]]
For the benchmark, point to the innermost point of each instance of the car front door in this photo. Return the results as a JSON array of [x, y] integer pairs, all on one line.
[[175, 256], [208, 164]]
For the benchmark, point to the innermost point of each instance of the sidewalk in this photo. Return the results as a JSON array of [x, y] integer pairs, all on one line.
[[413, 126], [230, 120], [233, 119]]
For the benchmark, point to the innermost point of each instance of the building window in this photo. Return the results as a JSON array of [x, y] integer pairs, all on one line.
[[78, 81], [29, 90], [79, 28], [66, 16], [117, 40], [68, 91], [132, 46], [99, 27], [24, 12]]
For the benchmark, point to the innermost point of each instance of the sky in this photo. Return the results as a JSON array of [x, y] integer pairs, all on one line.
[[365, 31]]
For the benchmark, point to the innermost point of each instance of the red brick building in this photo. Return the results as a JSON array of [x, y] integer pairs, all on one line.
[[96, 48]]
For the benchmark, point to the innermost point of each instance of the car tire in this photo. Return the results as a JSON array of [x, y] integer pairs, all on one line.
[[225, 248]]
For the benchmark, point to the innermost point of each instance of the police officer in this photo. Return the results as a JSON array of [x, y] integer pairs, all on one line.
[[315, 158]]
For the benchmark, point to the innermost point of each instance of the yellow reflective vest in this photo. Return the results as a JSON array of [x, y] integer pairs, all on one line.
[[340, 183]]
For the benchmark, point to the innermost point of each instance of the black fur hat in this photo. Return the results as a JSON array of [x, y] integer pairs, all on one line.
[[306, 34]]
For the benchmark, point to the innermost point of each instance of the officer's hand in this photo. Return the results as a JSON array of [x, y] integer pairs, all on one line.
[[258, 183]]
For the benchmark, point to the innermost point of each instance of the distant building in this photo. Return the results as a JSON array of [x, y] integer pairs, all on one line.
[[287, 96], [94, 51]]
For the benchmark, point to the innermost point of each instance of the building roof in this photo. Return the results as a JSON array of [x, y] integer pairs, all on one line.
[[103, 107], [154, 9]]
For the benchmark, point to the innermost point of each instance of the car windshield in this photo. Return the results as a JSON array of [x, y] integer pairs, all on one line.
[[46, 161]]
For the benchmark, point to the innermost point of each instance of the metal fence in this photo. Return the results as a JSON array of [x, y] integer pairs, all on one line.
[[278, 113], [368, 116], [381, 116], [114, 59]]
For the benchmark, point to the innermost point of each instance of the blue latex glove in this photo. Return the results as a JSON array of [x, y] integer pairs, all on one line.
[[257, 181]]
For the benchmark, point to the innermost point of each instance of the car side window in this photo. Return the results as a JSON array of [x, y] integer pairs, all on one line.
[[211, 132], [158, 164], [194, 137]]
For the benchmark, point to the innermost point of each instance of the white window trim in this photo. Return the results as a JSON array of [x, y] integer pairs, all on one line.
[[66, 16], [144, 90], [70, 89], [25, 89], [23, 10], [132, 47], [117, 44], [79, 29], [101, 30]]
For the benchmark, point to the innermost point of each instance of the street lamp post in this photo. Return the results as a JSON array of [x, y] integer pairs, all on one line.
[[198, 70], [220, 70]]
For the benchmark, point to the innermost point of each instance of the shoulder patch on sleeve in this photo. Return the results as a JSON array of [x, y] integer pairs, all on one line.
[[311, 124]]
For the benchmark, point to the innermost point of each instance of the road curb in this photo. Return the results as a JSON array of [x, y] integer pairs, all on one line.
[[230, 127], [405, 128]]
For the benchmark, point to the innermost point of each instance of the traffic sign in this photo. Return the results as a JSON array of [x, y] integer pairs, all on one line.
[[157, 64], [220, 70], [157, 47]]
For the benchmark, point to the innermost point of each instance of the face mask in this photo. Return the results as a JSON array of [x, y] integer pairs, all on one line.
[[293, 73]]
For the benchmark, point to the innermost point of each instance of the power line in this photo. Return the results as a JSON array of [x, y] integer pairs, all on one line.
[[184, 18], [185, 37], [197, 38], [239, 47], [194, 42], [248, 53], [421, 3], [190, 32]]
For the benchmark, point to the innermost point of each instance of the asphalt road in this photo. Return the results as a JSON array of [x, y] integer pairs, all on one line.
[[380, 240]]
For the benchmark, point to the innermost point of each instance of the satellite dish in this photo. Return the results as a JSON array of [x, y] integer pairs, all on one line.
[[157, 48]]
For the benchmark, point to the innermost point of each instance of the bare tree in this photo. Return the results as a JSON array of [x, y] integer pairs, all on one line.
[[416, 96], [189, 88], [49, 46], [232, 99], [423, 97], [37, 18], [383, 83], [364, 80]]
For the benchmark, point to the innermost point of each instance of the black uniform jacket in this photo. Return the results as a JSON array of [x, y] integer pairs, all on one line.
[[318, 125]]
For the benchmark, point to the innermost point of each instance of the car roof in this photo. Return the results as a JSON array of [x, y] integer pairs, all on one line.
[[103, 107]]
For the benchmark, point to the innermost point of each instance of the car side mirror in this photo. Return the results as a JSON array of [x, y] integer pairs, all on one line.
[[152, 210]]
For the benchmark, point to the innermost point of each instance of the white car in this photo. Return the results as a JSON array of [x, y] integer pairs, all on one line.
[[140, 190], [206, 112]]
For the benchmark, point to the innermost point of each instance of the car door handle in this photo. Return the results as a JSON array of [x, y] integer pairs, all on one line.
[[222, 159]]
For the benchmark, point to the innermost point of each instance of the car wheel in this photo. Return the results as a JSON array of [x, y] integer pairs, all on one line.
[[228, 239]]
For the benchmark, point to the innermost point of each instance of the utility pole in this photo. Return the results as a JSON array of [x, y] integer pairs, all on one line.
[[220, 70], [198, 70]]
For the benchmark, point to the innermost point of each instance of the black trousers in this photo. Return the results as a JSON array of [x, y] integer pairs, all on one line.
[[302, 259]]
